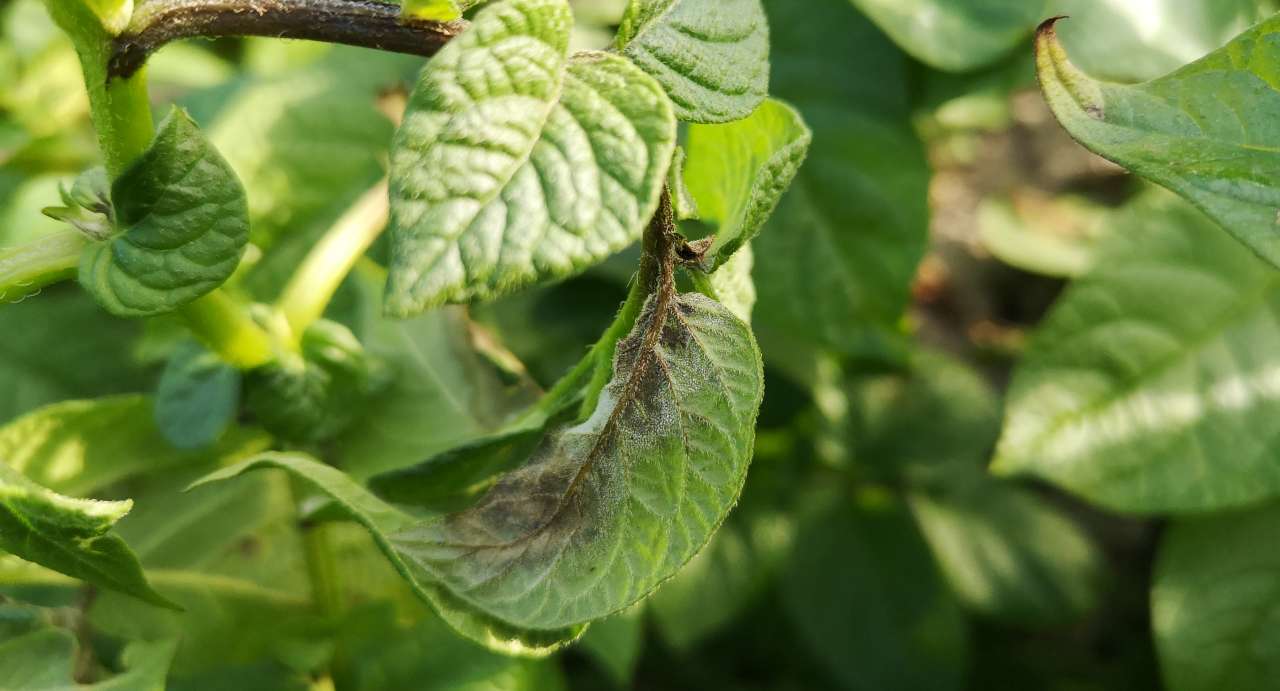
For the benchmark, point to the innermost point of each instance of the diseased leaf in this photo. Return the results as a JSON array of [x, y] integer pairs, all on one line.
[[835, 262], [711, 57], [1152, 384], [604, 510], [1203, 131], [70, 536], [955, 35], [383, 521], [1215, 603], [516, 164], [737, 173], [863, 592], [78, 447], [182, 225], [198, 397], [1009, 556]]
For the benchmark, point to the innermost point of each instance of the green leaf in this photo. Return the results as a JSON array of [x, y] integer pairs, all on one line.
[[738, 172], [604, 510], [314, 395], [45, 661], [183, 224], [40, 365], [615, 643], [70, 536], [79, 447], [1127, 42], [955, 35], [497, 184], [711, 57], [927, 424], [733, 285], [435, 375], [1215, 603], [865, 595], [1201, 131], [835, 262], [198, 397], [1010, 556], [436, 10], [718, 584], [384, 521], [1152, 384]]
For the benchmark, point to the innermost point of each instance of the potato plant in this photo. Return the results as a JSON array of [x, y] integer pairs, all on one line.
[[357, 346]]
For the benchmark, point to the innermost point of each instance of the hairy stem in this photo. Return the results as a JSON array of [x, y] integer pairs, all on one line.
[[327, 264], [657, 275], [365, 23], [26, 268]]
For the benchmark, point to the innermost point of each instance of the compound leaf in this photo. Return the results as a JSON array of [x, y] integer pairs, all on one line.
[[736, 173], [711, 57], [516, 164], [1204, 131], [70, 536], [1152, 384], [182, 223]]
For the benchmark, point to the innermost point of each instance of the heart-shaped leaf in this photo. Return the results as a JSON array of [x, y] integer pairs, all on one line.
[[516, 164], [712, 56], [1203, 131], [182, 225]]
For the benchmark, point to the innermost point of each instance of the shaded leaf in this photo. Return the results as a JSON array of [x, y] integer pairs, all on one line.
[[182, 226], [1215, 603], [498, 183], [198, 397], [1202, 131], [711, 57], [615, 643], [1151, 384], [835, 262], [1009, 555], [44, 660], [863, 591], [955, 35]]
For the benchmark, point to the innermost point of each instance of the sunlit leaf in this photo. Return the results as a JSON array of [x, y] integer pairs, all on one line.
[[711, 57], [498, 183]]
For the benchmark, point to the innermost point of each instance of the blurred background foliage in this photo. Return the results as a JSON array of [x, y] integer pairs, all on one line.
[[937, 221]]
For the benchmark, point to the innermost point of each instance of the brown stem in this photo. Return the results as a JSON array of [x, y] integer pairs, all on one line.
[[365, 23], [657, 263]]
